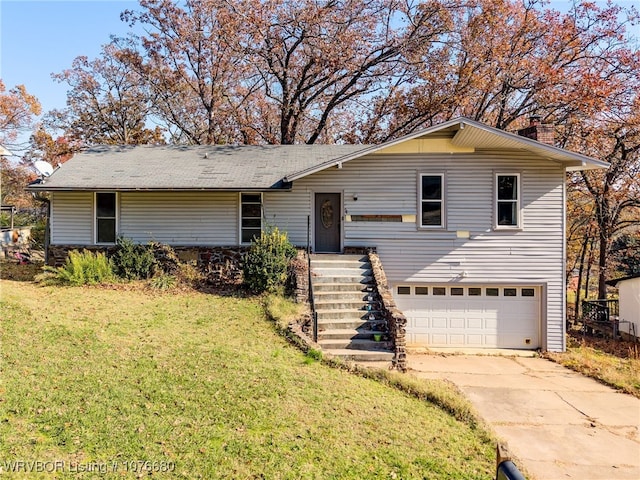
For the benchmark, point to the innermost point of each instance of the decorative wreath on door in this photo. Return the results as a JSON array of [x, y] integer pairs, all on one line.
[[326, 214]]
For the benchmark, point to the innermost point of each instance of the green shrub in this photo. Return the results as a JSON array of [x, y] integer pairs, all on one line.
[[133, 261], [38, 234], [265, 266], [163, 282], [80, 268]]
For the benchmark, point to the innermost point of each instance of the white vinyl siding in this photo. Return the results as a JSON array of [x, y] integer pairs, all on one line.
[[180, 218], [386, 184], [630, 306], [71, 219], [176, 218], [288, 210]]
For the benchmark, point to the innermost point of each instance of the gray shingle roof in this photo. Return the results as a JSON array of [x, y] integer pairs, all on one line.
[[226, 167], [249, 167]]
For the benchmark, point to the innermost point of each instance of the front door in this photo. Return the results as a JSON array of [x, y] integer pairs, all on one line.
[[327, 222]]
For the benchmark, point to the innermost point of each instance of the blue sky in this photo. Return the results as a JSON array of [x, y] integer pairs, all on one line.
[[40, 37]]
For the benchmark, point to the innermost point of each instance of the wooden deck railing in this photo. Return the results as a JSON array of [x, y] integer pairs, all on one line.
[[601, 316]]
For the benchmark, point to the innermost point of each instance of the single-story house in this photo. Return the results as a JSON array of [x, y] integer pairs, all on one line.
[[629, 298], [468, 220]]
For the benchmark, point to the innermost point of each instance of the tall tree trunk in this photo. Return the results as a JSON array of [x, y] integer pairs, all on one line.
[[602, 263], [583, 255], [588, 275]]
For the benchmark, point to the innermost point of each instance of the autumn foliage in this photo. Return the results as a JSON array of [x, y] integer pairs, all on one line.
[[366, 71], [18, 110]]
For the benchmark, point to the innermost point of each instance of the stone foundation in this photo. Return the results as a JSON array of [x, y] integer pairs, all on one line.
[[221, 265], [57, 254]]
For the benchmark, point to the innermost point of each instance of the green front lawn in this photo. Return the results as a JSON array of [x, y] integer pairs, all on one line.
[[99, 378]]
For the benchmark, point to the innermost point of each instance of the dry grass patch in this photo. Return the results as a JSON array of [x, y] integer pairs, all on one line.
[[613, 362]]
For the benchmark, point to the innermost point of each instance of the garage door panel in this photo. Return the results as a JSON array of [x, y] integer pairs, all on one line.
[[439, 322], [474, 340], [470, 320], [489, 340], [491, 324], [475, 323], [456, 322]]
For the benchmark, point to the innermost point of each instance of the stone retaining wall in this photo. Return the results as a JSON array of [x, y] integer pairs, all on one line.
[[396, 321], [300, 277]]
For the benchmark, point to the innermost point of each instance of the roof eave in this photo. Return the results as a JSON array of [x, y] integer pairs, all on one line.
[[571, 160], [280, 186], [337, 162], [592, 165], [614, 282]]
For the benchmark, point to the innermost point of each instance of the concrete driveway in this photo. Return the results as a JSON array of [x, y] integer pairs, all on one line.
[[558, 424]]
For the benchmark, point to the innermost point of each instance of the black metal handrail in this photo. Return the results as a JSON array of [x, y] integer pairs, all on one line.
[[314, 314], [600, 310]]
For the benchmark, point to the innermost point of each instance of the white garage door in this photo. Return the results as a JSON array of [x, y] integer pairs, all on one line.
[[471, 316]]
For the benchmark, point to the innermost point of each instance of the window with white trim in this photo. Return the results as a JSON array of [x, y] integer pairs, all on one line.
[[250, 216], [507, 206], [105, 208], [431, 204]]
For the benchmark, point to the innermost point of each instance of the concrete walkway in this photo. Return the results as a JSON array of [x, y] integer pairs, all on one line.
[[557, 424]]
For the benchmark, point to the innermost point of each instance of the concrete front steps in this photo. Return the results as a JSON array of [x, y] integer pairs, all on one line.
[[346, 308]]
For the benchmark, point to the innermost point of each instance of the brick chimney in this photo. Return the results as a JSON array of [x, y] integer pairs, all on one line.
[[542, 132]]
